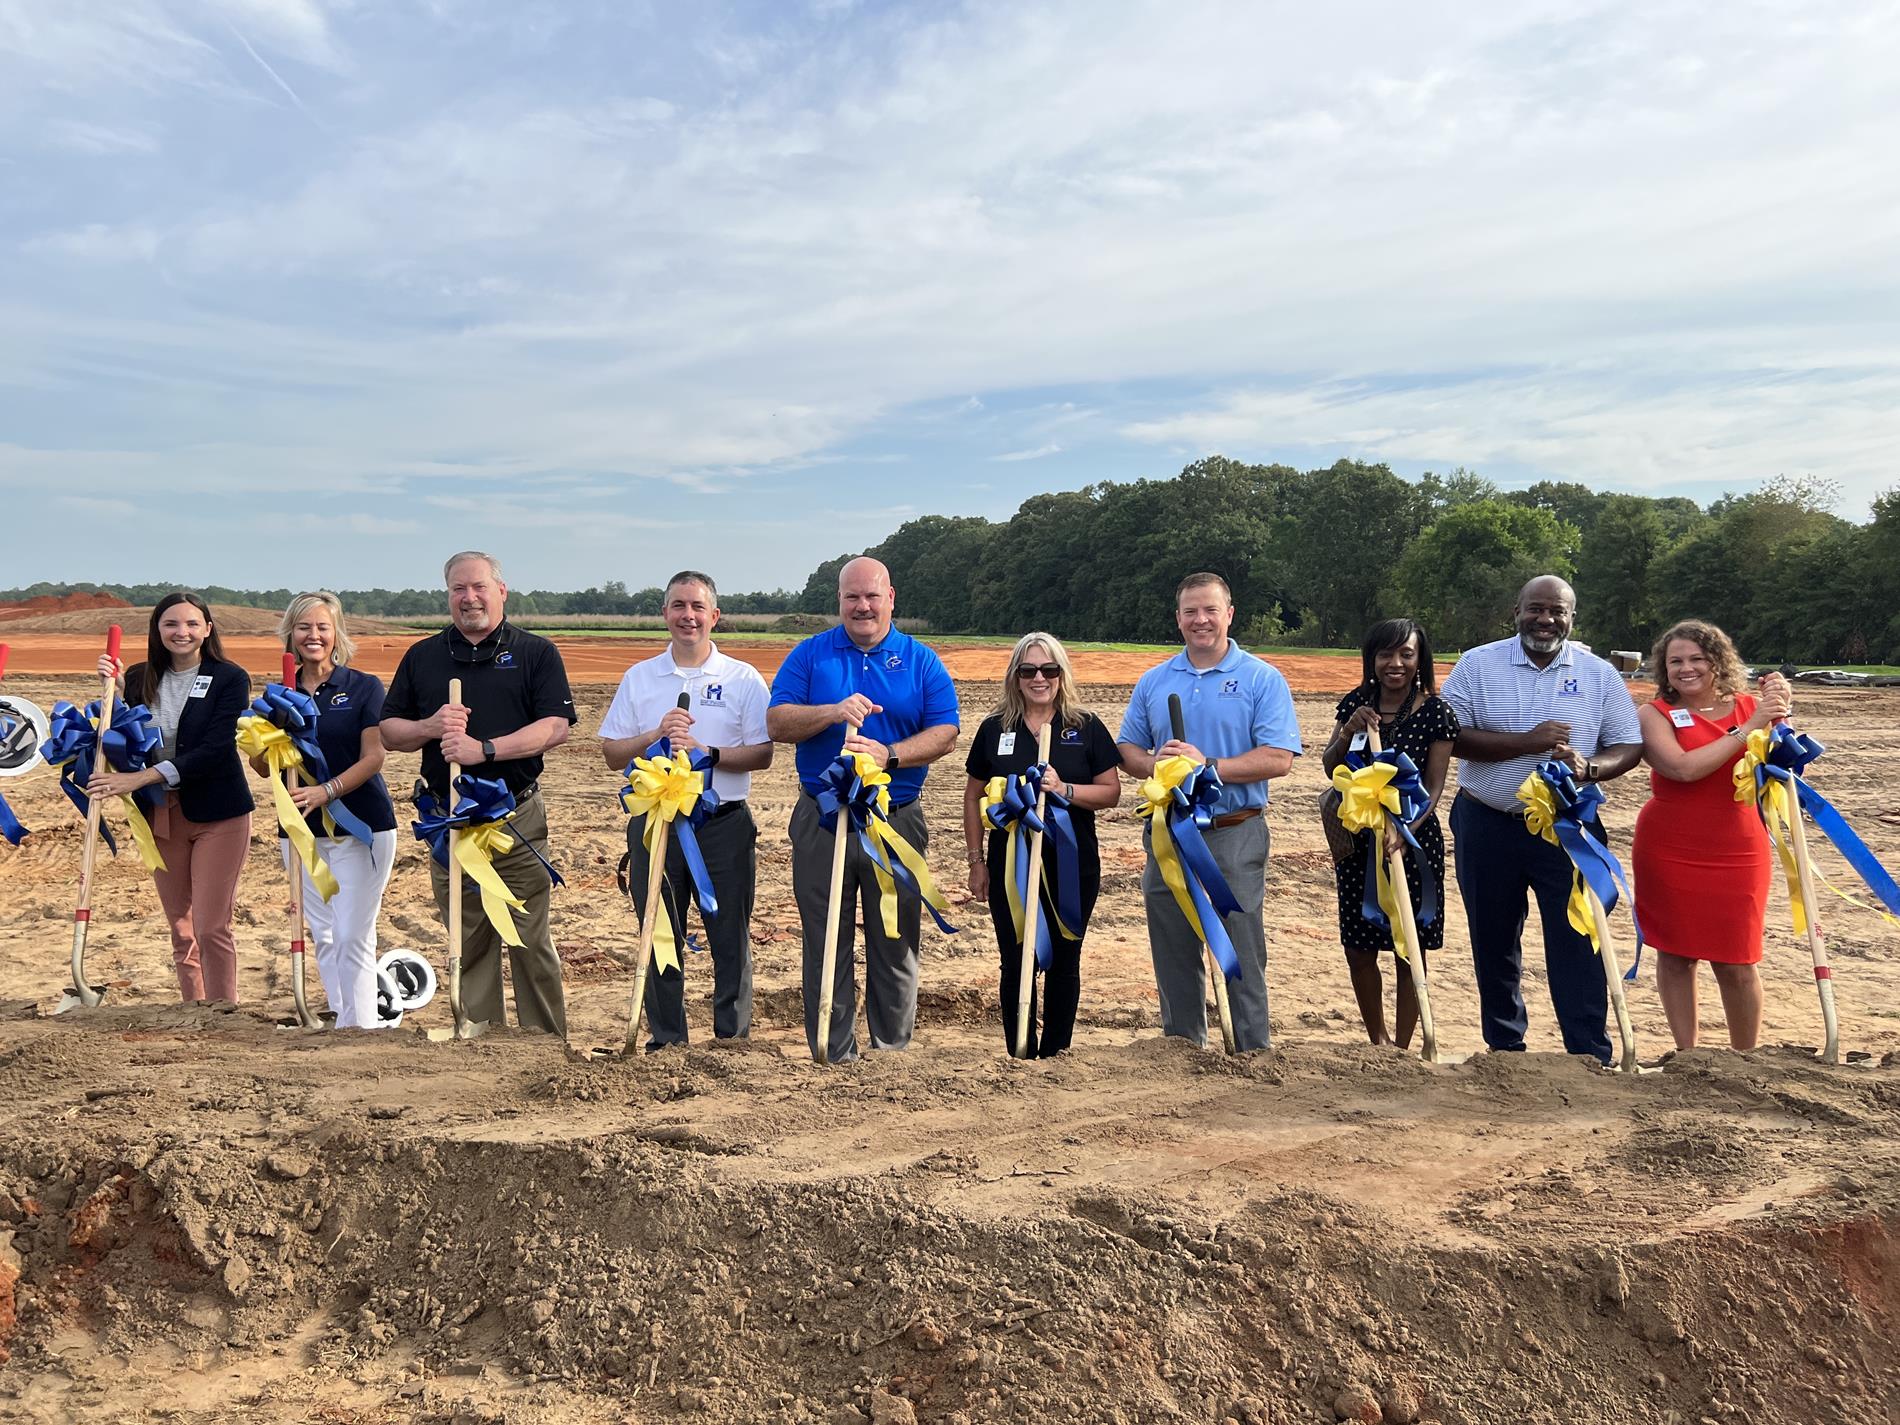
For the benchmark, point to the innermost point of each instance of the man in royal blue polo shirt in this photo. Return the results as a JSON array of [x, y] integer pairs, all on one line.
[[1239, 719], [901, 710]]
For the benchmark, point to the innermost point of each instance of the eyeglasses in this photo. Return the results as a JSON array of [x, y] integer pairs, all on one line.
[[1051, 671]]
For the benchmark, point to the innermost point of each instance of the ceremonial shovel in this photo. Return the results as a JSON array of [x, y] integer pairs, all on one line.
[[465, 1028], [1178, 726], [82, 993], [834, 904], [1613, 975], [1408, 923], [1032, 912], [649, 919], [304, 1016], [1823, 972]]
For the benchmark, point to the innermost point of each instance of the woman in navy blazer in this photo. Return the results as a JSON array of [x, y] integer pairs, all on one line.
[[203, 827]]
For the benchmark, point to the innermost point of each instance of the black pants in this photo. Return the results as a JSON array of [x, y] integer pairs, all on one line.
[[1062, 982], [728, 842]]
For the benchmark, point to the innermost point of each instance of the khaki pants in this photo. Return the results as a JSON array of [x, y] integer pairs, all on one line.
[[540, 1001]]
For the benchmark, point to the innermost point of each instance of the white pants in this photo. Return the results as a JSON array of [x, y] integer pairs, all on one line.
[[344, 930]]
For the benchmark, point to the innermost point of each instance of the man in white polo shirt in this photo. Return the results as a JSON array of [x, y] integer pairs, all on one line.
[[727, 718], [1519, 701]]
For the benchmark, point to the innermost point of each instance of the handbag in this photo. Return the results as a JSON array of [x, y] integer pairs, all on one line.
[[1341, 842]]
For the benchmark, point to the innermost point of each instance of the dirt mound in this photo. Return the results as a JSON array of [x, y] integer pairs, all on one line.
[[47, 604]]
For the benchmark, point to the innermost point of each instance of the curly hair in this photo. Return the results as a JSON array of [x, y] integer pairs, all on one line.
[[1731, 674]]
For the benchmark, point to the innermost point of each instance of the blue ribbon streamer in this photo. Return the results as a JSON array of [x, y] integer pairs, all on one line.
[[482, 799], [73, 743], [1576, 806], [295, 711], [685, 827], [1190, 815], [1016, 816], [842, 789], [1789, 755], [1413, 802], [10, 824]]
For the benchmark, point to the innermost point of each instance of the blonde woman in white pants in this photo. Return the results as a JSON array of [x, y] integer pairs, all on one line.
[[349, 708]]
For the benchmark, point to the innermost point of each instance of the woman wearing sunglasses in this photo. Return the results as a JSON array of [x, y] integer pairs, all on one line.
[[1084, 767]]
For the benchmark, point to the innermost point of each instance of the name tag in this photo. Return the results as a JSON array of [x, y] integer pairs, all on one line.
[[1682, 717], [1005, 743], [200, 685]]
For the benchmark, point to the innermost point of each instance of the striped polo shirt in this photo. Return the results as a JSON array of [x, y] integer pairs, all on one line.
[[1496, 688]]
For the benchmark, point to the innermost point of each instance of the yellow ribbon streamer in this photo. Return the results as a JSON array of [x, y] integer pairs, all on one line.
[[1153, 798], [475, 848], [883, 834], [1540, 816], [1366, 799], [259, 737], [662, 789], [141, 829], [994, 794]]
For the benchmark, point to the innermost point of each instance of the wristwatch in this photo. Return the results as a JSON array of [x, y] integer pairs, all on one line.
[[893, 762], [488, 750], [712, 756], [1590, 770]]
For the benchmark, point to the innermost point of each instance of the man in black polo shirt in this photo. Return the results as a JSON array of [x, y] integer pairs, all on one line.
[[515, 707]]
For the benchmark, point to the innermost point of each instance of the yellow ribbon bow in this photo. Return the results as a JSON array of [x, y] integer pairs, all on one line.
[[1540, 818], [1774, 797], [1367, 799], [661, 789], [995, 792], [475, 848], [1154, 796], [259, 737], [884, 835]]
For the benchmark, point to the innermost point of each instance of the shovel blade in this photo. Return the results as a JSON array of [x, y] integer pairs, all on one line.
[[72, 1000]]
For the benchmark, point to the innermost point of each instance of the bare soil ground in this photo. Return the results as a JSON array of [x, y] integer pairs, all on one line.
[[205, 1215]]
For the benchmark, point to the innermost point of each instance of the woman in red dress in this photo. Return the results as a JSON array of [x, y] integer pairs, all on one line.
[[1701, 857]]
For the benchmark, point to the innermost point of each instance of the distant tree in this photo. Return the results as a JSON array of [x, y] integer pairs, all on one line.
[[1461, 487], [1572, 503], [1615, 602], [1461, 576], [1334, 542], [820, 595]]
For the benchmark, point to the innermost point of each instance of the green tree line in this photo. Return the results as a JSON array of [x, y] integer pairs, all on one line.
[[609, 598], [1315, 556]]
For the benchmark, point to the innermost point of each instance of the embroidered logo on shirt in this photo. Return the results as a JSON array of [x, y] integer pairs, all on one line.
[[715, 693], [1230, 688], [505, 659], [1071, 734], [893, 662], [339, 700], [1568, 688]]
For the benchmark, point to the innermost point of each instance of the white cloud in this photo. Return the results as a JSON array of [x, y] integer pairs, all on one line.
[[79, 136], [1036, 454]]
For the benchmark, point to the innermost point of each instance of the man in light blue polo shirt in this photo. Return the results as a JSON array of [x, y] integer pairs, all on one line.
[[1521, 700], [900, 708], [1238, 715]]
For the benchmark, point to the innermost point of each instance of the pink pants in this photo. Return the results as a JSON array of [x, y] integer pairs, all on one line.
[[198, 889]]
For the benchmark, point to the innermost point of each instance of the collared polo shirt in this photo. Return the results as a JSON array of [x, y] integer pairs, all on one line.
[[728, 707], [1496, 688], [510, 679], [347, 702], [1237, 705], [906, 679]]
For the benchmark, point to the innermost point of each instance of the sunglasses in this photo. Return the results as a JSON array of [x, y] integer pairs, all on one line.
[[1051, 671]]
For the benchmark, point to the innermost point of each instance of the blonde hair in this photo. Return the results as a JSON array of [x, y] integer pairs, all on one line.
[[1731, 674], [1011, 707], [322, 599]]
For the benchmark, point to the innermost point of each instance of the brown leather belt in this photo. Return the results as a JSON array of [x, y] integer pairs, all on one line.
[[1234, 818]]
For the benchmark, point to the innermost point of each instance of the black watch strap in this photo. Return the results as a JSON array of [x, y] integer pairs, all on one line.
[[893, 762], [488, 750], [712, 756]]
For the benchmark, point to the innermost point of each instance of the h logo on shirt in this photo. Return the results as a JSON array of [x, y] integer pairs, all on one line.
[[1568, 688], [713, 694], [1230, 688]]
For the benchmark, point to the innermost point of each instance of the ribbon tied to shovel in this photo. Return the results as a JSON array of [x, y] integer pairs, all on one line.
[[1558, 807], [73, 746], [478, 827], [280, 730], [860, 790], [1178, 801], [1372, 793], [674, 790], [1009, 805]]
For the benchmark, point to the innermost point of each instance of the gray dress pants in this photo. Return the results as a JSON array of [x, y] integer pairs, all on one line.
[[1180, 977], [890, 966], [727, 842]]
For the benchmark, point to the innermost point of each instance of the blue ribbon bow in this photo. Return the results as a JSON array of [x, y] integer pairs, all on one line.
[[295, 711], [1789, 755], [482, 800], [1413, 802], [1575, 806], [686, 822], [73, 744], [1015, 815], [10, 824], [1191, 813], [843, 787]]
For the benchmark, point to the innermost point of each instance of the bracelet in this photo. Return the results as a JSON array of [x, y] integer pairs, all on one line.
[[976, 853]]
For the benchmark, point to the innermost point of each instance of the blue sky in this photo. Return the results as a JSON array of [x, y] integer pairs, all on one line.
[[314, 291]]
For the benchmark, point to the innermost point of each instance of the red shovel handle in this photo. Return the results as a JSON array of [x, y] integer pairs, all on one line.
[[290, 670], [3, 660], [114, 637]]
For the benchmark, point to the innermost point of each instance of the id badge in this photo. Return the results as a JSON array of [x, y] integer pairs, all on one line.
[[200, 685], [1682, 717], [1358, 743], [1005, 743]]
